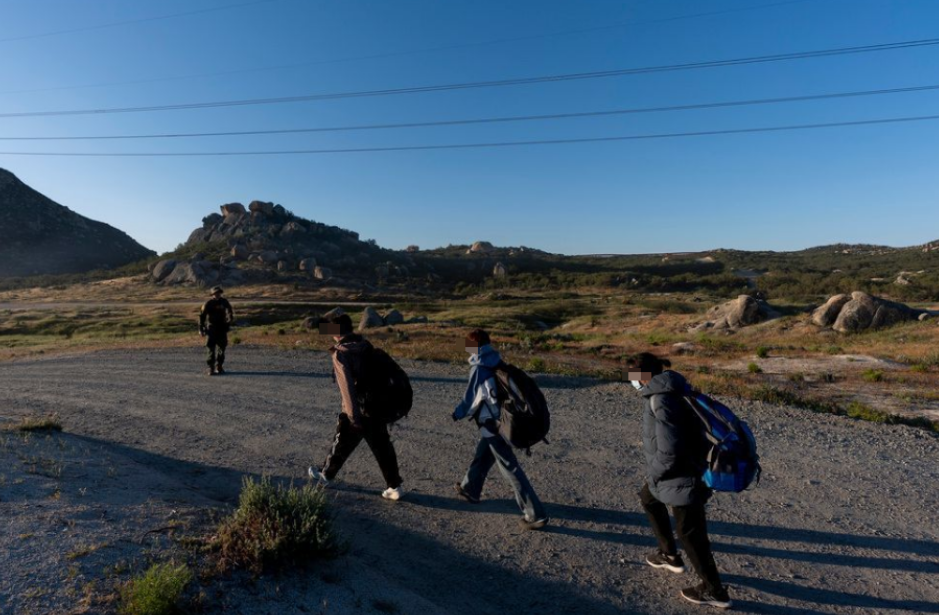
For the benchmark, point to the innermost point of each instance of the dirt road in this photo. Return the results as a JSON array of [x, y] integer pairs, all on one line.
[[842, 522]]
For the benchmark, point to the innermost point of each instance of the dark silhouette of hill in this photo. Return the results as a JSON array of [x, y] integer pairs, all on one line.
[[40, 237]]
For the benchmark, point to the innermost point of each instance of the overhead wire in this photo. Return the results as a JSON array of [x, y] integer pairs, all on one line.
[[485, 145], [490, 120], [492, 83], [392, 54]]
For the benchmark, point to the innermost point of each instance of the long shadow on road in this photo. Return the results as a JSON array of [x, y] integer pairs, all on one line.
[[404, 556]]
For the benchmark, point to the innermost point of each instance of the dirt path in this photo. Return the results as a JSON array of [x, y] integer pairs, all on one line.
[[843, 521]]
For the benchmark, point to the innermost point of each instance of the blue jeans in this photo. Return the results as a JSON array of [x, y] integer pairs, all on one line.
[[495, 450]]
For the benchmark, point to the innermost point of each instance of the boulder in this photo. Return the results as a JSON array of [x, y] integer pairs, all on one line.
[[865, 312], [162, 269], [743, 311], [370, 319], [269, 257], [481, 247], [311, 323], [261, 207], [232, 209], [279, 211], [322, 273], [827, 314], [212, 220], [307, 265], [239, 251], [292, 228], [394, 317], [412, 248], [282, 265], [333, 313], [499, 270], [194, 273]]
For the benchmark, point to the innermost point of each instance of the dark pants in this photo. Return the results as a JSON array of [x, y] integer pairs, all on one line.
[[495, 450], [691, 526], [376, 435], [215, 343]]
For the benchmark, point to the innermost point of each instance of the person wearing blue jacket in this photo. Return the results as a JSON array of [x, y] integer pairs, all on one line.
[[481, 404], [675, 451]]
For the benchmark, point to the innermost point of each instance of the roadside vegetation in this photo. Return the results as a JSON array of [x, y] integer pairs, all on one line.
[[276, 526]]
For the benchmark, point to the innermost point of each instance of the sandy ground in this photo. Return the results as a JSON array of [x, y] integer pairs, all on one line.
[[842, 522]]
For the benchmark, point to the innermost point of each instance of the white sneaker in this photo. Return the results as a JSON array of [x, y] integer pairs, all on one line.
[[317, 476], [393, 494]]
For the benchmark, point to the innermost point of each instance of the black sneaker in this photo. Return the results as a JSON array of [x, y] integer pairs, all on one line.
[[537, 524], [701, 595], [672, 563], [463, 493]]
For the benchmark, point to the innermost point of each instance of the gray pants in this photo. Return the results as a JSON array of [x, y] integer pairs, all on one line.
[[495, 450]]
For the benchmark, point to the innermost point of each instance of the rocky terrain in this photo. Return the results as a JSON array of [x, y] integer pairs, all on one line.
[[841, 523], [40, 237]]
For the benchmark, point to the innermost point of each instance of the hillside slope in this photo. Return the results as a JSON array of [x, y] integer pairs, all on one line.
[[40, 237]]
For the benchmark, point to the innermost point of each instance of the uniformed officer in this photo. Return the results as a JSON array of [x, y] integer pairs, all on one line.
[[215, 319]]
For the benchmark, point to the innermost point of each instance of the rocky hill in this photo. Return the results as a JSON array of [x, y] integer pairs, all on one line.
[[40, 237], [265, 242]]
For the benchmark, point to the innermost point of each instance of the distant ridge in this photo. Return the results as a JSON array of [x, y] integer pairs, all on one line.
[[40, 237]]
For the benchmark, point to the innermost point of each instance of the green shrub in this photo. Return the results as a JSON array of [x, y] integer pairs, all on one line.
[[275, 526], [236, 340], [762, 352], [156, 592], [872, 375], [537, 364], [47, 423], [753, 368]]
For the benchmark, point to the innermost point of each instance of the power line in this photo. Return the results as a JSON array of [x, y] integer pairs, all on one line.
[[410, 52], [496, 144], [115, 24], [491, 120], [495, 83]]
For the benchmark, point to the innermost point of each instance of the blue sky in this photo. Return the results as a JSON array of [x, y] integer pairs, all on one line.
[[780, 191]]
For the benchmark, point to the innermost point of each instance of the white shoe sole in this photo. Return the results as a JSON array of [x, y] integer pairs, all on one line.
[[669, 567], [393, 496]]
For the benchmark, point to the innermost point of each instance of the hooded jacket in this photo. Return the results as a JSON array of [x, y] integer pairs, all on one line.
[[347, 367], [480, 401], [673, 442]]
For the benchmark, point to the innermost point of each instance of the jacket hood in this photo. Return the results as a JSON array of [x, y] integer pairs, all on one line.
[[487, 357], [351, 343], [666, 382]]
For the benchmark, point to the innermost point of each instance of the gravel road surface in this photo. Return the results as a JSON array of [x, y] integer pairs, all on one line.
[[844, 520]]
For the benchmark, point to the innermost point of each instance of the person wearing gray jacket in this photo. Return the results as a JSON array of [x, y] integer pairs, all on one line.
[[675, 450]]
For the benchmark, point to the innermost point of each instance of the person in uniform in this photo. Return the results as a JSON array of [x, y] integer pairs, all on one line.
[[215, 319]]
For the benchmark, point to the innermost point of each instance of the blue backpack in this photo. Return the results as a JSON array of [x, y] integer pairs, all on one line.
[[732, 462]]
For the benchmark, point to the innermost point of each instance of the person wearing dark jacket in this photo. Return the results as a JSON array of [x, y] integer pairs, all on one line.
[[353, 426], [215, 319], [675, 450], [481, 404]]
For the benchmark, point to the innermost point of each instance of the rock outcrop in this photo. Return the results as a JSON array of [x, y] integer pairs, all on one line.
[[370, 319], [861, 312], [499, 270], [394, 317], [40, 237], [743, 311]]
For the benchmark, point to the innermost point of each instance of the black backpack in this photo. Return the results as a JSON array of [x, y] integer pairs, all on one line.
[[525, 416], [384, 389]]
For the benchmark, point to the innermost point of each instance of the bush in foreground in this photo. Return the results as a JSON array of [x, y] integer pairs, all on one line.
[[156, 592], [47, 423], [275, 526]]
